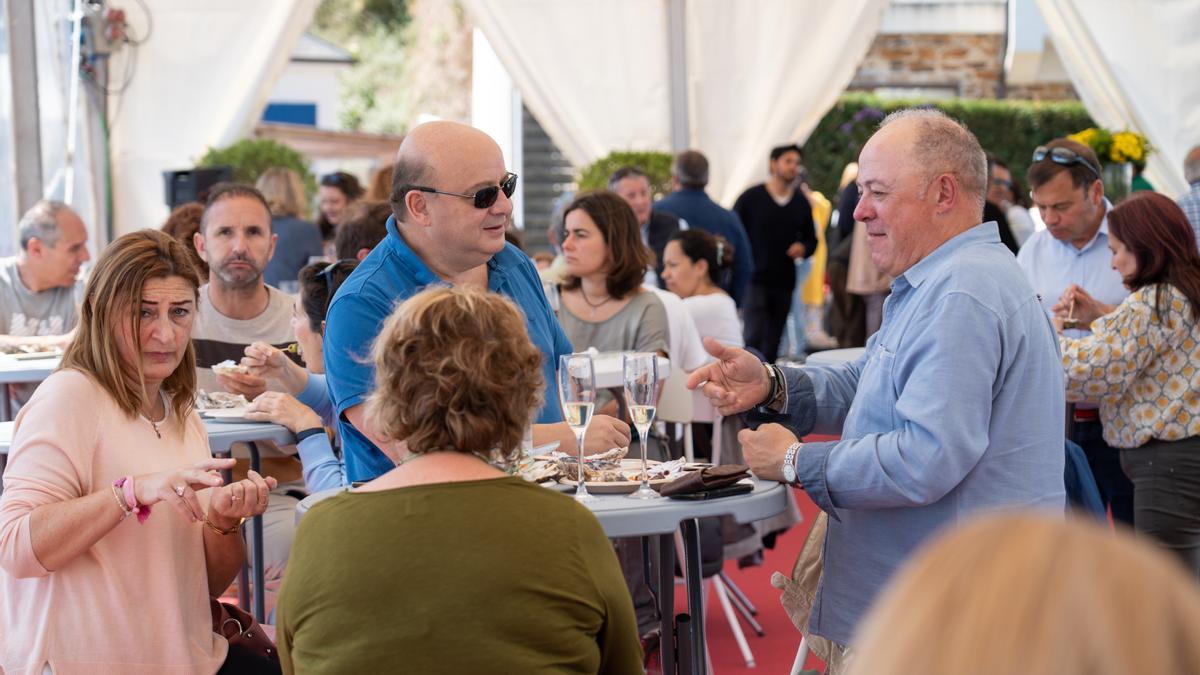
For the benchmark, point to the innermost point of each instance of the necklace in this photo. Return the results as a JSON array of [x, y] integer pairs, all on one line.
[[166, 412], [589, 303]]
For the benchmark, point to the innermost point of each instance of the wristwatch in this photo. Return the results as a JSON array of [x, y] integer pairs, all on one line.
[[789, 463]]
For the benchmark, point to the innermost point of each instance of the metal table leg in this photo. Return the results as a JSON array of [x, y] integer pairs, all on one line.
[[695, 590], [6, 404], [258, 565], [666, 601], [243, 575]]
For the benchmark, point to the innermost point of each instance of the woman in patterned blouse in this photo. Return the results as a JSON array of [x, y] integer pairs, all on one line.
[[1142, 363]]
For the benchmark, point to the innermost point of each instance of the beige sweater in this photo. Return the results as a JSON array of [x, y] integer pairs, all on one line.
[[137, 601]]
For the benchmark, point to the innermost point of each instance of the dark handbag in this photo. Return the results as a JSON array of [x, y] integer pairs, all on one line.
[[710, 478], [242, 631]]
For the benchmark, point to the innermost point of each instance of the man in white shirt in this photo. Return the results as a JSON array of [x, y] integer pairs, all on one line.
[[1073, 252]]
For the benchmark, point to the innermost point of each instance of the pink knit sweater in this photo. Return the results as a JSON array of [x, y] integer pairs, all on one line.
[[137, 601]]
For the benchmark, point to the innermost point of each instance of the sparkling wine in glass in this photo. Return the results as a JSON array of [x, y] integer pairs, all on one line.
[[577, 394], [641, 396]]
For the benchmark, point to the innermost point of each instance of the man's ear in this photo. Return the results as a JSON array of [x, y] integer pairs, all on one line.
[[418, 208], [34, 247], [1096, 192], [198, 242], [947, 192]]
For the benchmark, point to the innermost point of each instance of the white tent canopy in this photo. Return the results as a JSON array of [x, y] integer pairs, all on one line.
[[1136, 65], [596, 75], [202, 81]]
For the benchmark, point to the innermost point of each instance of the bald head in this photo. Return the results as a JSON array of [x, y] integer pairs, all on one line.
[[1191, 166], [938, 144], [430, 152]]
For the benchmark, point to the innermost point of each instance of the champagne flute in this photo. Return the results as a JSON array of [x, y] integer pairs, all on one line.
[[641, 397], [577, 393]]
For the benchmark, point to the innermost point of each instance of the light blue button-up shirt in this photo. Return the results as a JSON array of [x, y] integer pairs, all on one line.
[[1051, 265], [956, 407]]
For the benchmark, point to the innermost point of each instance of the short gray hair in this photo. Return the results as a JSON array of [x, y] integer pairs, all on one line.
[[41, 223], [407, 172], [945, 145], [1191, 166]]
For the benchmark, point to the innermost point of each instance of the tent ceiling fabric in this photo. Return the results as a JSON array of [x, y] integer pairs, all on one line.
[[759, 74], [1135, 65], [199, 83]]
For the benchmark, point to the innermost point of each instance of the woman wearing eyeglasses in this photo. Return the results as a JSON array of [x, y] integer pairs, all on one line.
[[1142, 362], [304, 407]]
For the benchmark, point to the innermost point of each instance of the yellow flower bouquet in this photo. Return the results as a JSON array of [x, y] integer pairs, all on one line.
[[1119, 147]]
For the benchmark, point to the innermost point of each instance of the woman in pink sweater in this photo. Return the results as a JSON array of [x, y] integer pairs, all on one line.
[[112, 434]]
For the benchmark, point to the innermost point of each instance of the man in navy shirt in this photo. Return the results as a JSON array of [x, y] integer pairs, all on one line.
[[689, 173], [450, 208]]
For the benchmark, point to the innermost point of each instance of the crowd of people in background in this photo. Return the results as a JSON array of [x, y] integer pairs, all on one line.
[[409, 344]]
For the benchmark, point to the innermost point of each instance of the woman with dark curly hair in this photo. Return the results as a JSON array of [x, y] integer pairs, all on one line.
[[1142, 363], [446, 564]]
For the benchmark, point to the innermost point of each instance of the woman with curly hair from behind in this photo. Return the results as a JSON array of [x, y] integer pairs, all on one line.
[[446, 564]]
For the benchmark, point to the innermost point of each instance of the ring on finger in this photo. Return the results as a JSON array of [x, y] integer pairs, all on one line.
[[179, 490]]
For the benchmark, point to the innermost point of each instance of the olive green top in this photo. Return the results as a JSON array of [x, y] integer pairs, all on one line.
[[497, 576]]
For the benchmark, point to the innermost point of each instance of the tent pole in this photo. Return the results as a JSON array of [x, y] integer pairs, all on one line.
[[73, 103], [27, 146], [677, 64]]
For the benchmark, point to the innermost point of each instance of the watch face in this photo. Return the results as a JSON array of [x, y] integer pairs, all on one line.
[[789, 473]]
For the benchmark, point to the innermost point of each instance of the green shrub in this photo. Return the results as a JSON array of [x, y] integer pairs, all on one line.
[[656, 165], [252, 156], [1008, 129]]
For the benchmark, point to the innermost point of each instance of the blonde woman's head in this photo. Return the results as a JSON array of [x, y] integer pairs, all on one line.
[[284, 191], [1034, 594], [455, 370]]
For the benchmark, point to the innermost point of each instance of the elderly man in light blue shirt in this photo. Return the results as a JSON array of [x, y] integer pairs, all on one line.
[[955, 407], [1069, 265]]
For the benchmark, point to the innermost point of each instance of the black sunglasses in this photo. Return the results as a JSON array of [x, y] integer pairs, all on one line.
[[483, 198], [1064, 156]]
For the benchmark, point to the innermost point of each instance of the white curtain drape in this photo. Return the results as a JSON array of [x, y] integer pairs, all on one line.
[[759, 74], [1136, 65], [201, 80]]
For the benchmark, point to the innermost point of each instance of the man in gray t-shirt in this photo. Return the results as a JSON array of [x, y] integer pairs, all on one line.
[[39, 287]]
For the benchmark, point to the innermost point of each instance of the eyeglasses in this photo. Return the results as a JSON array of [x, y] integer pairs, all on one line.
[[1000, 182], [483, 198], [1064, 156]]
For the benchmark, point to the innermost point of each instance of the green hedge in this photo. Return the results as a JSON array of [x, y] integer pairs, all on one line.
[[1008, 129], [252, 156], [656, 165]]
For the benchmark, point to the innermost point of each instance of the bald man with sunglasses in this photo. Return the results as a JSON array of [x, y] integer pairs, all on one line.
[[450, 207]]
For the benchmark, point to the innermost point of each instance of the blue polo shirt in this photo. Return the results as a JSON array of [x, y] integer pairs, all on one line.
[[385, 278]]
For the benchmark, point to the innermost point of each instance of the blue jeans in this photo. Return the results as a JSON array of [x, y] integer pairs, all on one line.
[[794, 340]]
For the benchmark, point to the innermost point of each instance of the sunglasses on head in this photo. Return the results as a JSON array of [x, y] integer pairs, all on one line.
[[327, 275], [1064, 156], [483, 199]]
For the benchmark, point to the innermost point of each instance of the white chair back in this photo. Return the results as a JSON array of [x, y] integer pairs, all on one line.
[[675, 406]]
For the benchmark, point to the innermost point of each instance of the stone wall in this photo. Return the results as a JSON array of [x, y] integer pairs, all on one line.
[[969, 64], [1044, 91]]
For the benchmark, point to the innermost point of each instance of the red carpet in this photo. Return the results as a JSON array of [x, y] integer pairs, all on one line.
[[776, 650]]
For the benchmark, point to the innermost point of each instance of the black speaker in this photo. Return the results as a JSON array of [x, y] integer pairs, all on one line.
[[192, 185]]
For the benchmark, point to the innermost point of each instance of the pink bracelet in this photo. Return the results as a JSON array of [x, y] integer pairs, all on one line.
[[126, 485]]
